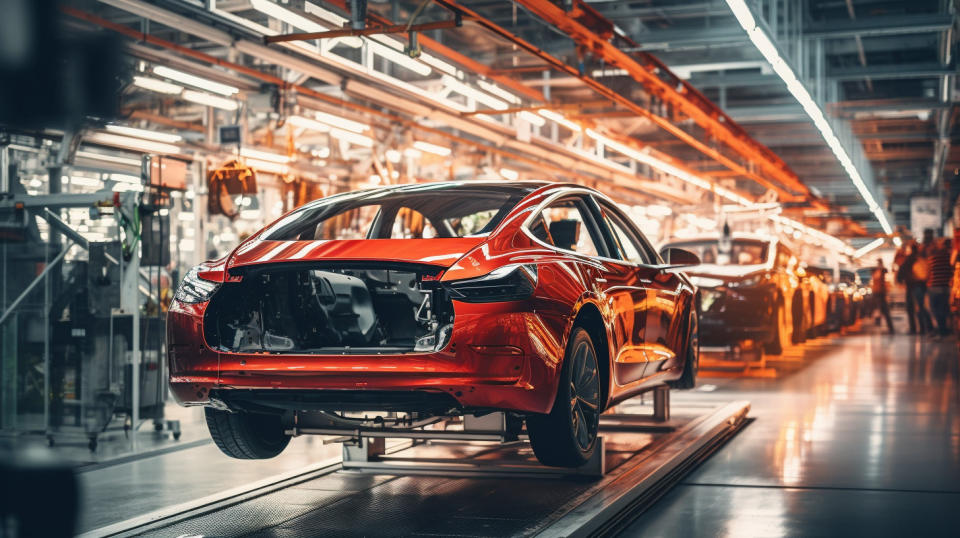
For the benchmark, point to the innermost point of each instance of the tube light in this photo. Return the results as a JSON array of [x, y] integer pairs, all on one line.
[[473, 93], [868, 247], [264, 155], [210, 100], [268, 166], [532, 118], [412, 153], [277, 12], [192, 80], [138, 144], [400, 58], [509, 174], [144, 133], [498, 91], [157, 85], [108, 158], [352, 137], [560, 119], [343, 123], [307, 123], [796, 88], [432, 148]]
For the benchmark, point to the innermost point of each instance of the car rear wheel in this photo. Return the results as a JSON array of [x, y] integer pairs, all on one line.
[[692, 362], [567, 436], [778, 342], [246, 436]]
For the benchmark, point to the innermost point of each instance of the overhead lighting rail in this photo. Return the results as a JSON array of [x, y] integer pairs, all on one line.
[[769, 50]]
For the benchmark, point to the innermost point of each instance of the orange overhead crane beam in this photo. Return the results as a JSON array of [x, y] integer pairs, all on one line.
[[389, 118], [593, 33]]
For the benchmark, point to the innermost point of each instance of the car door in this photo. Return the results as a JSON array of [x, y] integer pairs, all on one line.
[[611, 280], [660, 289]]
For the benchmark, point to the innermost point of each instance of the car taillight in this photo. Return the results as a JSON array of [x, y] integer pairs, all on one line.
[[194, 289], [508, 283]]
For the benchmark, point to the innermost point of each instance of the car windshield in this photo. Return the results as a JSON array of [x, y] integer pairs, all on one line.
[[416, 212], [739, 251]]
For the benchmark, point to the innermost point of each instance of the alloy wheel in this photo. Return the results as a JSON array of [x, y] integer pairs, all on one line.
[[584, 396]]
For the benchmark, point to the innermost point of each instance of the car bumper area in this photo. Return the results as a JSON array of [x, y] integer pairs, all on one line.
[[493, 361], [729, 317]]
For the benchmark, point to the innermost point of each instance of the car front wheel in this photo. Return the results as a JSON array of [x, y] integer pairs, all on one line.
[[567, 436], [246, 436]]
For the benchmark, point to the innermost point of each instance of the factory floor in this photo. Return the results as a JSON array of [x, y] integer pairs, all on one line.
[[858, 434], [860, 437]]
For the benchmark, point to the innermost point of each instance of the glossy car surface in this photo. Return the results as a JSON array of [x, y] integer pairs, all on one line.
[[749, 290], [507, 286]]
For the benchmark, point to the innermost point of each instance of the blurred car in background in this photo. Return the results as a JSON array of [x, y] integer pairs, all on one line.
[[816, 294], [750, 293]]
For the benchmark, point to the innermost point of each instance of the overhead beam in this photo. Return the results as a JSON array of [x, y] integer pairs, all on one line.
[[878, 26], [894, 71], [593, 33]]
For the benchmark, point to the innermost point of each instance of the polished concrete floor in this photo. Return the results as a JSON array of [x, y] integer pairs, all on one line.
[[858, 435]]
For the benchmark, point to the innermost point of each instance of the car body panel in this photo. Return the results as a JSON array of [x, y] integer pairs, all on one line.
[[502, 355], [739, 302]]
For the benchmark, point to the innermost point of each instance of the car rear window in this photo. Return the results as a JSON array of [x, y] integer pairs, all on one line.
[[420, 212]]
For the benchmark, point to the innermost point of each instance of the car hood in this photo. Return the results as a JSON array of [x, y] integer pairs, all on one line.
[[441, 252], [725, 272]]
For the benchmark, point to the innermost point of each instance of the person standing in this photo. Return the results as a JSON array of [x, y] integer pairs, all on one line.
[[912, 273], [938, 283], [879, 284]]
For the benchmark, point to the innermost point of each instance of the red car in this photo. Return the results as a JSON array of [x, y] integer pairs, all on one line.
[[538, 299]]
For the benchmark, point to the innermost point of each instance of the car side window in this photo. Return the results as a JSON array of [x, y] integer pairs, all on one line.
[[566, 224], [628, 245]]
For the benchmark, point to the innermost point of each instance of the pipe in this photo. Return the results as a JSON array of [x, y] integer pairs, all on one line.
[[33, 284]]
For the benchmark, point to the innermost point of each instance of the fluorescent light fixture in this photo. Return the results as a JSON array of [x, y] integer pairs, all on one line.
[[144, 133], [532, 118], [307, 123], [560, 119], [343, 123], [210, 100], [352, 137], [108, 158], [432, 148], [897, 242], [473, 93], [868, 247], [285, 15], [268, 166], [769, 51], [412, 153], [393, 155], [138, 144], [399, 58], [264, 155], [157, 85], [490, 87], [509, 174], [193, 80]]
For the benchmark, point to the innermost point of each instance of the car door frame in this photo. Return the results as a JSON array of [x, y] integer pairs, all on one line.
[[663, 335]]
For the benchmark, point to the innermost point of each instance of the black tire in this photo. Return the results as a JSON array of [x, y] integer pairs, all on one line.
[[799, 335], [775, 345], [692, 362], [567, 436], [246, 436]]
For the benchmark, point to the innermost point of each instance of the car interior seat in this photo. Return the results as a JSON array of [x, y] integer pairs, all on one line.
[[565, 233]]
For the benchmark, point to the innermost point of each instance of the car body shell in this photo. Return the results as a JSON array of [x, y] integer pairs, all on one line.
[[503, 356], [739, 303]]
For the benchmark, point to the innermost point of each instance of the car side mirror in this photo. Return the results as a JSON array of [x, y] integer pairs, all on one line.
[[678, 257]]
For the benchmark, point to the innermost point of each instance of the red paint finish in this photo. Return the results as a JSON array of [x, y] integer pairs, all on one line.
[[503, 355]]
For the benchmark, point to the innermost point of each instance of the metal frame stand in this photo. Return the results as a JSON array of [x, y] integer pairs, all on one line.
[[365, 449]]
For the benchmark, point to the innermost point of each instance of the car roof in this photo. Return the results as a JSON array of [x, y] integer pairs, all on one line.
[[716, 237]]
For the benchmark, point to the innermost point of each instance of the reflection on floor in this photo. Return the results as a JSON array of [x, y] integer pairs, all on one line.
[[861, 438]]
